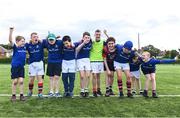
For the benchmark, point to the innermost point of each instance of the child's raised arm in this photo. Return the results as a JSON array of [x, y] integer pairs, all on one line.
[[11, 29], [105, 32], [78, 48]]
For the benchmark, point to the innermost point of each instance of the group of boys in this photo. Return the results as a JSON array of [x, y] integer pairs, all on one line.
[[86, 56]]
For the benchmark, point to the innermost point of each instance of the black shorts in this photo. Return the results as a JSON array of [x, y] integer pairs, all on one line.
[[17, 72], [54, 69], [110, 65], [148, 71]]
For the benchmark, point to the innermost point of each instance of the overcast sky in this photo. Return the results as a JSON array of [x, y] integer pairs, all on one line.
[[157, 21]]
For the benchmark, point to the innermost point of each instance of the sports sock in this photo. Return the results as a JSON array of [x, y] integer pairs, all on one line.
[[31, 87], [120, 85], [128, 84], [40, 87]]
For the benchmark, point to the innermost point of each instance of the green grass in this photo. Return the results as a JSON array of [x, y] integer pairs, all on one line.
[[167, 84]]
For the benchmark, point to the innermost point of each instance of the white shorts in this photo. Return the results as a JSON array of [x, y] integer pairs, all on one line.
[[36, 68], [69, 66], [135, 74], [122, 66], [83, 64], [97, 67]]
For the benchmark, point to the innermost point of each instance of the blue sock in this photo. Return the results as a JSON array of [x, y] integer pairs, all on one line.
[[65, 81], [71, 81]]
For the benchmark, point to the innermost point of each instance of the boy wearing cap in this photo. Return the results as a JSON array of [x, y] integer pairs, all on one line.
[[54, 67], [121, 64]]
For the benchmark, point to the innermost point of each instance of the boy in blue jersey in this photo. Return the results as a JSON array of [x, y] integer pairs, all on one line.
[[134, 64], [148, 68], [121, 64], [54, 67], [17, 65], [83, 63], [36, 67], [68, 66]]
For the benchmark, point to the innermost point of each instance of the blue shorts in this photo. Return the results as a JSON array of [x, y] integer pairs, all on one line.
[[54, 69], [148, 71], [17, 72]]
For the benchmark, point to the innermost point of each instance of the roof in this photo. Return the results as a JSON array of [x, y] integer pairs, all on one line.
[[2, 49]]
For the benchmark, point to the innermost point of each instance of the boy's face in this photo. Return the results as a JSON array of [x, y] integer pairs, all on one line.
[[34, 38], [67, 44], [51, 41], [98, 36], [125, 50], [111, 45], [86, 38], [145, 56], [20, 43], [135, 59]]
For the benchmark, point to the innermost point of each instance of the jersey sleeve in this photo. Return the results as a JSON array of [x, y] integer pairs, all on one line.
[[26, 45], [76, 44], [104, 54], [14, 46], [118, 47], [44, 43], [167, 61]]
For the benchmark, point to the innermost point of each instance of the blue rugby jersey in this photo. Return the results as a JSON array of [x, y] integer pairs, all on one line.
[[122, 57], [36, 52], [69, 53], [19, 56], [54, 51], [85, 50], [151, 64], [135, 66]]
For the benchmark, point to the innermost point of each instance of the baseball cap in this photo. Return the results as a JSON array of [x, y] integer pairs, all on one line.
[[51, 36], [128, 45]]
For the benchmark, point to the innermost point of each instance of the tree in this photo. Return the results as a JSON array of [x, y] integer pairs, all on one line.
[[152, 50], [174, 53]]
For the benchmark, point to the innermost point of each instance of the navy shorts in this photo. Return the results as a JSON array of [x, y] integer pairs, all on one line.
[[54, 69], [17, 72], [148, 71], [110, 65]]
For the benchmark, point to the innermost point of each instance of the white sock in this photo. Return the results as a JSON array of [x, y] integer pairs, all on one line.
[[82, 90], [86, 90]]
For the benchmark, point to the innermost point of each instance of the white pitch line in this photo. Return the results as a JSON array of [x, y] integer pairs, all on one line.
[[8, 95]]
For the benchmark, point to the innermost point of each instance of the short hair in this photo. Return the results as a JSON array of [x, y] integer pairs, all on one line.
[[66, 38], [34, 33], [86, 33], [111, 39], [18, 38], [147, 53], [97, 30]]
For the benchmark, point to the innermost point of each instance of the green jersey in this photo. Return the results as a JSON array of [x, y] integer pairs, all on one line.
[[96, 51]]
